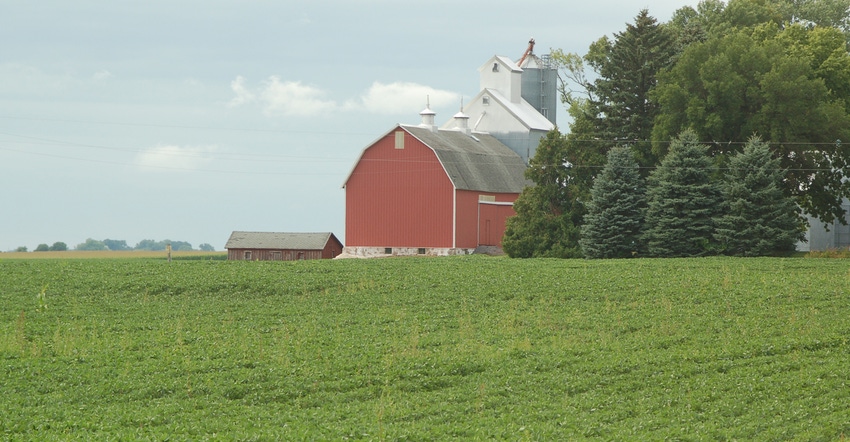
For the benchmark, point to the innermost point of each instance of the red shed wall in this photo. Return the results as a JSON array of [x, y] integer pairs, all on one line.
[[332, 248], [398, 197], [492, 223], [274, 254], [482, 224]]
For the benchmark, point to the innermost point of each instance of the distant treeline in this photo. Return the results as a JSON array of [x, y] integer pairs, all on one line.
[[116, 245]]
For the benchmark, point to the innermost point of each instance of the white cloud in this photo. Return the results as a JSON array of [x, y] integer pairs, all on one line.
[[243, 94], [291, 98], [101, 75], [26, 80], [401, 98], [305, 20], [174, 157]]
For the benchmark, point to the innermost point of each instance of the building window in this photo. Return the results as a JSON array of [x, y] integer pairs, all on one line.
[[421, 251], [399, 140], [388, 251], [276, 256], [487, 198], [496, 67], [300, 256], [485, 101], [248, 254]]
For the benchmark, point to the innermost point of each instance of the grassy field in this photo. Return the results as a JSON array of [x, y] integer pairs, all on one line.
[[425, 349]]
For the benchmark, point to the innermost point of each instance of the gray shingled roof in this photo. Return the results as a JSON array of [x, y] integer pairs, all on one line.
[[278, 240], [475, 162]]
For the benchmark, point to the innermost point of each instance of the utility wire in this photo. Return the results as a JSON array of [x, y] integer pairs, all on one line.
[[186, 169], [216, 155], [210, 155], [175, 126]]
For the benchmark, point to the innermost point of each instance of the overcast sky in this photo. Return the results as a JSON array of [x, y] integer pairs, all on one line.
[[186, 120]]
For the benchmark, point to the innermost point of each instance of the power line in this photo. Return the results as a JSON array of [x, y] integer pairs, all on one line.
[[175, 126], [627, 142], [214, 155], [210, 155], [186, 169], [318, 159], [326, 132], [622, 141]]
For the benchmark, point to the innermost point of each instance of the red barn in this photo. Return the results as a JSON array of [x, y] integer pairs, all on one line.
[[423, 190]]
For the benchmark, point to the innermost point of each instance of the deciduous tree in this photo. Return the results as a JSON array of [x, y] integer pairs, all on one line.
[[731, 87], [91, 245], [179, 245], [115, 244], [545, 224]]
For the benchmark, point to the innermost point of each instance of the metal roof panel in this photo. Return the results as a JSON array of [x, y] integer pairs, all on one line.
[[475, 161], [278, 240]]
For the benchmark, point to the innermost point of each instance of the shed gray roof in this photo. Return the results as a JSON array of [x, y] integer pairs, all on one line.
[[278, 240], [475, 162]]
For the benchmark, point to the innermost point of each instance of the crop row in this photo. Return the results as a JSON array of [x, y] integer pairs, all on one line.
[[462, 347]]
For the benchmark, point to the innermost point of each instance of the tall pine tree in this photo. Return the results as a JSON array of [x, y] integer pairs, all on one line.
[[759, 219], [613, 224], [682, 201], [627, 76]]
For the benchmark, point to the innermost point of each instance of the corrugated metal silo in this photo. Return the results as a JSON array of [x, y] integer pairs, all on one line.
[[540, 85]]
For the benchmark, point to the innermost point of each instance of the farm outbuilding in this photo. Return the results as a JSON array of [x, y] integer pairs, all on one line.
[[422, 190], [832, 236], [281, 246]]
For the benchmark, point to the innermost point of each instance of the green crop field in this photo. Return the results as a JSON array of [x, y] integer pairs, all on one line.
[[425, 349]]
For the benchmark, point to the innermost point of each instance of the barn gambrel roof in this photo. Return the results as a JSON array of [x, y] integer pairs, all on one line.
[[475, 161], [278, 240]]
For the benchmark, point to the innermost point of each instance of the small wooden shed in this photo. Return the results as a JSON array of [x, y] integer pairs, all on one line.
[[281, 246]]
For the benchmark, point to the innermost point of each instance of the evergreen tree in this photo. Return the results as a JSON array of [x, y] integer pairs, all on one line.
[[545, 224], [613, 224], [759, 219], [618, 105], [682, 201], [627, 76]]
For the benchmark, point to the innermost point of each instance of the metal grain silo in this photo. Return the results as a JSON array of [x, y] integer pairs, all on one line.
[[539, 82]]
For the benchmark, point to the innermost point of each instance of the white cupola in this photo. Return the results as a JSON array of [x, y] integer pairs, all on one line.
[[428, 117], [462, 122]]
